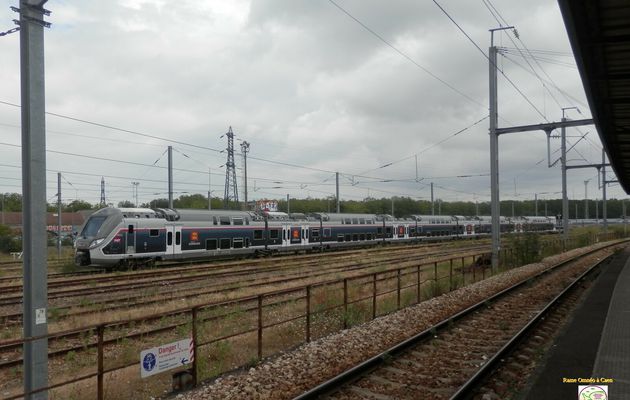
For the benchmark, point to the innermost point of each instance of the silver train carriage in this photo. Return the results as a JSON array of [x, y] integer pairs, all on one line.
[[136, 236]]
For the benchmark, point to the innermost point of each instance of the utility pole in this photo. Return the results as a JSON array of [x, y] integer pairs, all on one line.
[[244, 151], [58, 215], [494, 150], [2, 203], [565, 199], [231, 187], [536, 204], [604, 214], [432, 203], [546, 209], [35, 297], [476, 208], [596, 210], [288, 204], [170, 176], [337, 184], [439, 206], [586, 199], [576, 211], [103, 202], [135, 192], [209, 189], [392, 206]]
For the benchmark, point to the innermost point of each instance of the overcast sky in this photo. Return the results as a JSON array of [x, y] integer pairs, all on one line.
[[315, 86]]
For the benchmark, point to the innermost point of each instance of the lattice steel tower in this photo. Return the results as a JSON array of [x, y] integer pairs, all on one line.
[[102, 202], [231, 187]]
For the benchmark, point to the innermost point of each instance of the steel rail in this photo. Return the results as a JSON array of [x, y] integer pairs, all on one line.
[[359, 370]]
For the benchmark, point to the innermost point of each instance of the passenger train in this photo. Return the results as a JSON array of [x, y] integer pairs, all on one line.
[[113, 237]]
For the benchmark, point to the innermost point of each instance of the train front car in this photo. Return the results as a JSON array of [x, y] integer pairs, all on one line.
[[108, 237]]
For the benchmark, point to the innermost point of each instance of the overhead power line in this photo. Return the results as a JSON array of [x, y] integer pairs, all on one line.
[[486, 56], [403, 54]]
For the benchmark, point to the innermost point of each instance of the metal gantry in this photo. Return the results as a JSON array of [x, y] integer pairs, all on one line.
[[495, 131]]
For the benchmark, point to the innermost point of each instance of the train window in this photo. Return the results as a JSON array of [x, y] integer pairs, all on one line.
[[379, 230], [237, 243], [214, 220], [412, 230], [369, 221], [130, 229], [355, 237], [154, 232], [237, 221], [274, 233], [306, 230], [211, 244], [169, 239], [368, 236], [258, 234], [362, 221], [246, 242], [224, 220], [348, 221], [247, 221], [315, 233], [388, 230], [348, 237], [178, 238], [355, 220], [327, 232], [340, 238], [225, 243], [362, 236]]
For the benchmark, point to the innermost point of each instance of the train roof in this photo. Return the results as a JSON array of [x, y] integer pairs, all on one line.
[[432, 217], [179, 214]]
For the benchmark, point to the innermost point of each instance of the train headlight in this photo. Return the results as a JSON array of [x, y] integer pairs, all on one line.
[[96, 243]]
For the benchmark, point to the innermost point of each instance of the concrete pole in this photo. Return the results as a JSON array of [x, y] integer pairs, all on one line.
[[494, 160], [338, 204], [576, 211], [536, 204], [392, 206], [439, 207], [586, 199], [513, 215], [210, 189], [34, 247], [244, 150], [170, 176], [546, 209], [476, 208], [288, 205], [604, 213], [596, 210], [58, 215], [432, 203], [565, 199]]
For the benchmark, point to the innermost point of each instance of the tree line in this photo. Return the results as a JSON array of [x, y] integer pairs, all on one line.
[[402, 206]]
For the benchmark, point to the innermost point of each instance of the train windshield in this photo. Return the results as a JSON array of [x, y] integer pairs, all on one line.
[[92, 226]]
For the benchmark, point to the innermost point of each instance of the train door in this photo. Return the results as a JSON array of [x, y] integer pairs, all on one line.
[[286, 235], [131, 238], [296, 235], [399, 232], [304, 229], [173, 240]]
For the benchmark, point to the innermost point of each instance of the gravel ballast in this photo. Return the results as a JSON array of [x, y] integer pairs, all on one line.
[[292, 373]]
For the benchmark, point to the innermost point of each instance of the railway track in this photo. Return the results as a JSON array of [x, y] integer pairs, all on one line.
[[188, 283], [452, 358]]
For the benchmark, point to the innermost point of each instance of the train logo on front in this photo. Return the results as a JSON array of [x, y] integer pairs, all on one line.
[[592, 392]]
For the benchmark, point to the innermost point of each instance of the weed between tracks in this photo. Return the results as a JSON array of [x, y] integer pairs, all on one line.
[[228, 334]]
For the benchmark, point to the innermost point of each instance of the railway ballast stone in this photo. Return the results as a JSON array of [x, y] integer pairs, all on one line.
[[292, 373]]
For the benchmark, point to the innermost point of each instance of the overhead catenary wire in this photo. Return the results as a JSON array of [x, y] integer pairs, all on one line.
[[486, 56]]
